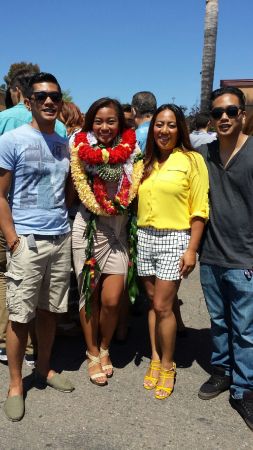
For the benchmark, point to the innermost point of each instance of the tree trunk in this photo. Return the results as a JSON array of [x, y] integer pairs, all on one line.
[[209, 53]]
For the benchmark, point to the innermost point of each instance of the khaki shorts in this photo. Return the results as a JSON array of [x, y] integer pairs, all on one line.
[[38, 277]]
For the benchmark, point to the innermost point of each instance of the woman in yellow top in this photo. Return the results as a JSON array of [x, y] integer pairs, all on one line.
[[172, 210]]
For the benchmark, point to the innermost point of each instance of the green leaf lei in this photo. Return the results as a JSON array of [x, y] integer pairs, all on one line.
[[91, 265]]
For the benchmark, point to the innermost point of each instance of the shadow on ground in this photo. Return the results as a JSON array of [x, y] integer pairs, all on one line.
[[69, 351]]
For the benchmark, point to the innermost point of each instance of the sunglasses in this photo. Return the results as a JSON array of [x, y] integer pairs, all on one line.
[[41, 96], [231, 111]]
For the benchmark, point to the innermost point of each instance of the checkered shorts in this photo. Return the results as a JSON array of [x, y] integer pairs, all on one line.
[[159, 252]]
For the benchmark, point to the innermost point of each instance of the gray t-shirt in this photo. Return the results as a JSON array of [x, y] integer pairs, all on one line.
[[228, 238]]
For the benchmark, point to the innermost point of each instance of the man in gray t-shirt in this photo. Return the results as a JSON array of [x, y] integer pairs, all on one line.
[[34, 165], [226, 254]]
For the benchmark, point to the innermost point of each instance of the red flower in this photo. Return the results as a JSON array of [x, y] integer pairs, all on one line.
[[118, 154], [120, 199]]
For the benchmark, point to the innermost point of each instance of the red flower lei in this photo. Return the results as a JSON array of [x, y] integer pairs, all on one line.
[[120, 201], [118, 154]]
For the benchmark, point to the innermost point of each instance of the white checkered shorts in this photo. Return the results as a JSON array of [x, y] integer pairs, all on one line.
[[159, 252]]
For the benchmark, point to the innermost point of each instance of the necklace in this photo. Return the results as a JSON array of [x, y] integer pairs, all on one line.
[[90, 172]]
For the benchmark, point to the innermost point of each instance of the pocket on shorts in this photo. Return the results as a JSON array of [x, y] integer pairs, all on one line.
[[19, 248], [16, 263], [13, 297]]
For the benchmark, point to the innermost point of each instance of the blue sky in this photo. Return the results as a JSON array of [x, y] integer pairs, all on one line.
[[116, 48]]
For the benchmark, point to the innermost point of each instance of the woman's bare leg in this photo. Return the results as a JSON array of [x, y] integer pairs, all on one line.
[[164, 298], [90, 328], [111, 293], [149, 284]]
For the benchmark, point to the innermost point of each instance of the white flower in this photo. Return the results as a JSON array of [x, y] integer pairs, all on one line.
[[91, 138], [128, 166]]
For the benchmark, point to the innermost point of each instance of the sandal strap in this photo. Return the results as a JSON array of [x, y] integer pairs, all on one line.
[[169, 372], [94, 376], [166, 374], [156, 365], [93, 359], [153, 366], [107, 367], [150, 378], [103, 352], [165, 389]]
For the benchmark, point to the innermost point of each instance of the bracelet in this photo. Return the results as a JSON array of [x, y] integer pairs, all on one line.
[[14, 243]]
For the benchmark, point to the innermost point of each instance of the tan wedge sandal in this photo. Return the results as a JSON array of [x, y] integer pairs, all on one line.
[[94, 377], [105, 352]]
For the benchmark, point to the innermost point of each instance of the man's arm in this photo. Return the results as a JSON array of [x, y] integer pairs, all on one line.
[[70, 192], [6, 221]]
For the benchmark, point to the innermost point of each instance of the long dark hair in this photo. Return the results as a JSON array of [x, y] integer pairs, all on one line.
[[183, 141], [102, 103]]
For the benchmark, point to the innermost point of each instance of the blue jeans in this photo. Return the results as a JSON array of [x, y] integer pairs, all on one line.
[[229, 298]]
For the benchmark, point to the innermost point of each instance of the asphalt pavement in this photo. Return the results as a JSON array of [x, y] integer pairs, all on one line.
[[123, 415]]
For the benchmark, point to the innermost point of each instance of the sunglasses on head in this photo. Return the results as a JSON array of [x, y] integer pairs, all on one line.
[[231, 111], [41, 96]]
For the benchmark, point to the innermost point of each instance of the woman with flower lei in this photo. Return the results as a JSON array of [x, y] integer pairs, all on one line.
[[106, 168]]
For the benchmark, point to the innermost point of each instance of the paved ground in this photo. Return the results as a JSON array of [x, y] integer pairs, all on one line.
[[123, 415]]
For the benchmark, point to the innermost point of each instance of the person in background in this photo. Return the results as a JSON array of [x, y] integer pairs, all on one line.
[[201, 135], [130, 123], [226, 253], [34, 166], [143, 108], [19, 115], [71, 116], [171, 223]]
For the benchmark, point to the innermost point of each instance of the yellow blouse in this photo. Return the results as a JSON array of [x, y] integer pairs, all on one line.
[[174, 193]]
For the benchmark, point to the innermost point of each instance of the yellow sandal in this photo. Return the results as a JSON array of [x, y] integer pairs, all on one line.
[[165, 374], [153, 366]]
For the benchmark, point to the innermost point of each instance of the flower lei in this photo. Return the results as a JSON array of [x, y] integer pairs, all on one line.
[[89, 163], [91, 188], [99, 155]]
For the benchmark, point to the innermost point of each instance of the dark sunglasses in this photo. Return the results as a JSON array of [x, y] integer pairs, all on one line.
[[231, 111], [41, 96]]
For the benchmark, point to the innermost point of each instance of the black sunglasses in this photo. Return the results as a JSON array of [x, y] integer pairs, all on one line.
[[41, 96], [231, 111]]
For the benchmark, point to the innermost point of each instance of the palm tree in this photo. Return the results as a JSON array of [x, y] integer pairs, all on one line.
[[209, 53]]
